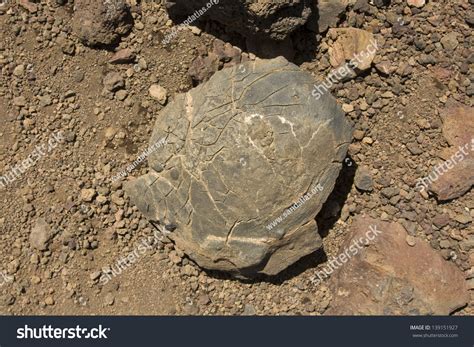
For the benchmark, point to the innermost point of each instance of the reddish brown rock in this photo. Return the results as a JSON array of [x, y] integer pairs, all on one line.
[[222, 55], [457, 178], [351, 44], [122, 56], [390, 277], [29, 6]]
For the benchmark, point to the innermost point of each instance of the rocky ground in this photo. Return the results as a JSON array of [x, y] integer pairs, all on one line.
[[65, 219]]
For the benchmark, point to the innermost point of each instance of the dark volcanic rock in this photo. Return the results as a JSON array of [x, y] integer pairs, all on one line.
[[241, 149], [265, 18]]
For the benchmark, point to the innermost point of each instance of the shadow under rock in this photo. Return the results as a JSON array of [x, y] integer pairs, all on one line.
[[299, 47]]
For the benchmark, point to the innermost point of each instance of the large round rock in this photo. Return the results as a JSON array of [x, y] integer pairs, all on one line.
[[240, 151]]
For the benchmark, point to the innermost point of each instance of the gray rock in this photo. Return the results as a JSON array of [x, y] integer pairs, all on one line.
[[40, 235], [241, 149], [113, 81], [264, 18], [363, 180], [329, 13], [249, 310]]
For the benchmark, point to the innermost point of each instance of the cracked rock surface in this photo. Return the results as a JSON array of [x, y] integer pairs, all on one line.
[[241, 149]]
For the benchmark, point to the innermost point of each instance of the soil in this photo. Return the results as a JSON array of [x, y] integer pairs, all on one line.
[[51, 83]]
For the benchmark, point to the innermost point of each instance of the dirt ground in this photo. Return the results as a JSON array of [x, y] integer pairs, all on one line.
[[46, 89]]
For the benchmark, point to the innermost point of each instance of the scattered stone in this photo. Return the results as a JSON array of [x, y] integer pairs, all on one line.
[[234, 236], [19, 70], [158, 93], [203, 300], [349, 42], [329, 13], [113, 81], [249, 310], [123, 56], [416, 3], [29, 6], [109, 299], [19, 101], [441, 220], [222, 55], [68, 47], [458, 128], [347, 108], [463, 218], [45, 100], [87, 195], [363, 179], [383, 278], [411, 240], [195, 30], [78, 76], [359, 134], [121, 95], [450, 41], [40, 235]]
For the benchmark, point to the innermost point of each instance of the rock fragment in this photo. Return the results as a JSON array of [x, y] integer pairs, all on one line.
[[99, 23], [40, 235], [122, 56], [350, 43], [113, 81], [416, 3], [88, 195], [392, 277], [363, 180], [330, 12], [455, 176], [158, 93]]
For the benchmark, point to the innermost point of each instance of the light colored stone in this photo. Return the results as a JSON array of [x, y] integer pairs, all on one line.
[[40, 235], [88, 195], [158, 93], [349, 43], [416, 3]]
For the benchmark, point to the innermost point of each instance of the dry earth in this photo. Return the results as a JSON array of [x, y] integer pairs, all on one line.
[[52, 83]]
